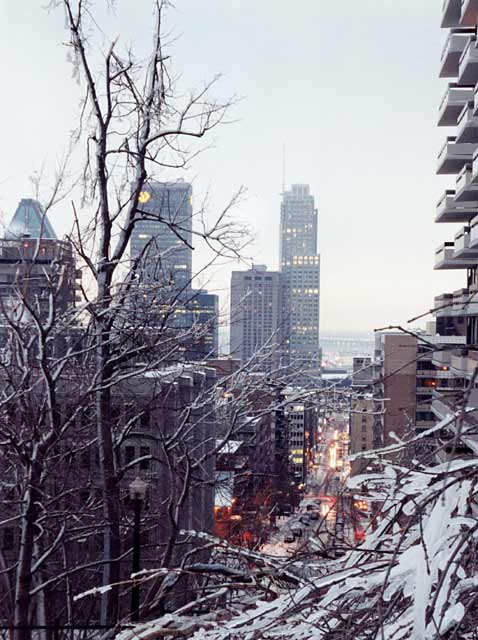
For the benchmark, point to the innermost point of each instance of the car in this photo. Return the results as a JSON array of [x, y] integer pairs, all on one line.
[[289, 539], [296, 531]]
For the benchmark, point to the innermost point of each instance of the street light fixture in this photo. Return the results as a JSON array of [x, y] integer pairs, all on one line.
[[137, 493]]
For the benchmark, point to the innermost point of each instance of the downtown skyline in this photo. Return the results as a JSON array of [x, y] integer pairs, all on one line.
[[359, 175]]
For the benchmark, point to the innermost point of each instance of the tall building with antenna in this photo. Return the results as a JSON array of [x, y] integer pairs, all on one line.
[[300, 266]]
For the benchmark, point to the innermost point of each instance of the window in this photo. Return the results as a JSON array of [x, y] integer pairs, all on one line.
[[129, 454], [8, 539], [85, 459], [144, 421], [145, 464]]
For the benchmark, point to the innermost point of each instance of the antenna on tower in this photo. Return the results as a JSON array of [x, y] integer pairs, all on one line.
[[283, 167]]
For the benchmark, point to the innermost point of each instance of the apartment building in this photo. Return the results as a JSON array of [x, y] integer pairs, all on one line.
[[361, 411], [457, 312], [155, 404], [407, 380]]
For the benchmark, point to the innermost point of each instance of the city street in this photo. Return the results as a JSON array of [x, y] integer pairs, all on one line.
[[320, 523]]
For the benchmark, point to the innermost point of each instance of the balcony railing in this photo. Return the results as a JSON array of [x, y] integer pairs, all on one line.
[[452, 103], [474, 232], [468, 11], [454, 156], [443, 305], [445, 258], [452, 51], [448, 210], [451, 13], [467, 125], [466, 190], [468, 65]]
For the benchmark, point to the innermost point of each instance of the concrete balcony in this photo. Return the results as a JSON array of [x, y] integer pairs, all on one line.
[[469, 13], [464, 364], [442, 359], [467, 125], [452, 104], [474, 232], [468, 65], [443, 306], [445, 258], [462, 245], [465, 303], [441, 409], [453, 157], [454, 46], [448, 210], [475, 100], [451, 13], [466, 190]]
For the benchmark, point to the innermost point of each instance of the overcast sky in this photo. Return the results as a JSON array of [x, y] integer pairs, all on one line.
[[349, 87]]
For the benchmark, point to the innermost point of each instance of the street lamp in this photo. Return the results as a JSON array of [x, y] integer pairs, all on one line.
[[137, 493]]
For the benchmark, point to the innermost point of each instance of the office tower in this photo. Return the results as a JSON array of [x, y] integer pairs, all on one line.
[[202, 315], [161, 239], [30, 221], [35, 267], [255, 317], [300, 266], [457, 312]]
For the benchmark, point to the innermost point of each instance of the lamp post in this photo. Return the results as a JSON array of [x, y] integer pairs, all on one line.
[[137, 492]]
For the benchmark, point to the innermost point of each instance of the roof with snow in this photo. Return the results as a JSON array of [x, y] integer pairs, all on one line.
[[230, 447], [224, 489]]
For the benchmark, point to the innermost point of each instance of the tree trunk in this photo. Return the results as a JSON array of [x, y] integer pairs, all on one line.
[[111, 496], [26, 553]]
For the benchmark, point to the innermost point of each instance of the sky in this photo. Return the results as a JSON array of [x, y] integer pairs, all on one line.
[[350, 88]]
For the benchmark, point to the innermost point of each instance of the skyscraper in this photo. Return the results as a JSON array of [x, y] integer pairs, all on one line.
[[256, 316], [300, 266], [30, 221], [35, 268], [161, 239], [202, 314]]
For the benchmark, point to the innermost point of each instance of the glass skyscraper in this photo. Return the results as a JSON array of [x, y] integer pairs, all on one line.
[[29, 221], [300, 266], [162, 236], [161, 251]]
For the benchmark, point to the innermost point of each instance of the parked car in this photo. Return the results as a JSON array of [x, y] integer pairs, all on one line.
[[288, 539], [297, 531]]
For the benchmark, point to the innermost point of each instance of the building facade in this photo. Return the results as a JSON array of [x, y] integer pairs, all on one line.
[[201, 317], [37, 271], [256, 330], [408, 381], [162, 236], [456, 312], [300, 267]]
